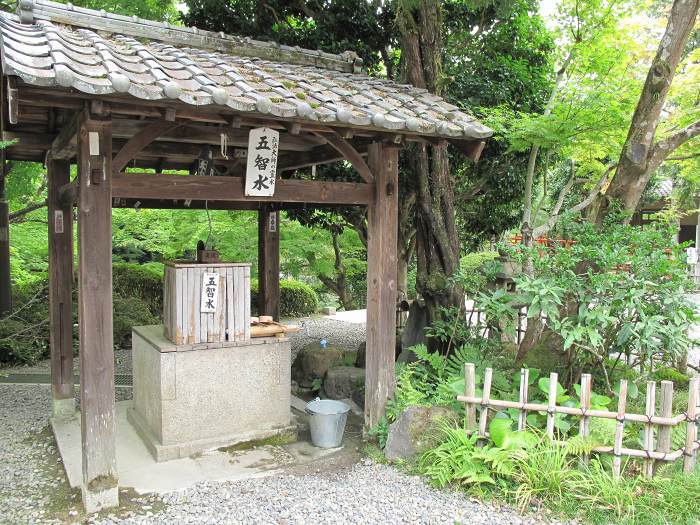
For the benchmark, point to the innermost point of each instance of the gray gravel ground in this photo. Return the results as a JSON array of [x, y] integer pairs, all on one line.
[[33, 488], [337, 333]]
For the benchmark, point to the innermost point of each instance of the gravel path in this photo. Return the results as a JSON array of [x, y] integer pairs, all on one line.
[[34, 490]]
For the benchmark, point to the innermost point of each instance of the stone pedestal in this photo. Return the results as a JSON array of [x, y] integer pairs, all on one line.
[[191, 398]]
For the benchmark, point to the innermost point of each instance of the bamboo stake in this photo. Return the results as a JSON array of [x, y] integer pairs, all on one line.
[[691, 435], [551, 403], [483, 417], [584, 428], [524, 380], [648, 470], [663, 442], [619, 429], [469, 391]]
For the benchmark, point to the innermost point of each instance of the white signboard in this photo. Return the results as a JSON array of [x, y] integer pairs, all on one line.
[[692, 254], [58, 221], [263, 146], [210, 293]]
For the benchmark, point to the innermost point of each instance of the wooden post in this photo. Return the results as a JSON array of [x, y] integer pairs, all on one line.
[[552, 402], [648, 469], [524, 380], [619, 429], [5, 283], [269, 263], [690, 453], [663, 442], [382, 232], [584, 428], [98, 431], [485, 398], [60, 290], [469, 391]]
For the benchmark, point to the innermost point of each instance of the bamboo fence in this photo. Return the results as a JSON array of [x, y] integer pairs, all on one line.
[[657, 428]]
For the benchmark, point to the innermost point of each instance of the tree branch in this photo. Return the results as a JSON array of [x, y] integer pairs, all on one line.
[[15, 216], [664, 147], [554, 219]]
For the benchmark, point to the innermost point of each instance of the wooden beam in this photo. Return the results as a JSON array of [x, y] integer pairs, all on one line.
[[350, 153], [60, 290], [5, 281], [201, 134], [183, 187], [382, 233], [12, 101], [269, 263], [64, 146], [139, 141], [98, 431], [197, 205]]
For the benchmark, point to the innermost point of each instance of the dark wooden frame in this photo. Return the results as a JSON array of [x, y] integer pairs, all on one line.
[[53, 125]]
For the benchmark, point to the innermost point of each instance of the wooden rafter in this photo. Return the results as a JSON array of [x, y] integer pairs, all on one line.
[[139, 141]]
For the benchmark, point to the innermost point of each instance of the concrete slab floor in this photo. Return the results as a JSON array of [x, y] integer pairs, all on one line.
[[137, 468]]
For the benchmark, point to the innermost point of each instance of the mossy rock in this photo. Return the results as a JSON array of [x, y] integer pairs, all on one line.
[[416, 430], [313, 362], [547, 354]]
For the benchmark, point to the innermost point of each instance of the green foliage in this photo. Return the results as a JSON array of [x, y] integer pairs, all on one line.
[[24, 335], [620, 290], [128, 312], [143, 281], [296, 298]]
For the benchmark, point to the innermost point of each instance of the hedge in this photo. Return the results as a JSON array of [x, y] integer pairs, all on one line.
[[296, 298], [24, 335], [144, 281]]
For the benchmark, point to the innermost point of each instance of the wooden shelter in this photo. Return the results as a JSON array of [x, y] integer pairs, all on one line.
[[110, 92]]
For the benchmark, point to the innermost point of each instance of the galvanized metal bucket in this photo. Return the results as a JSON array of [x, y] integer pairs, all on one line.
[[327, 420]]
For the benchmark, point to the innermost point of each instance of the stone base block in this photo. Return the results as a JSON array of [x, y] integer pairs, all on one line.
[[63, 408], [97, 500], [162, 452], [192, 398]]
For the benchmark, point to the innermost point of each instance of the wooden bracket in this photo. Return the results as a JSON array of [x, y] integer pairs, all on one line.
[[349, 153], [139, 141], [471, 149], [65, 145]]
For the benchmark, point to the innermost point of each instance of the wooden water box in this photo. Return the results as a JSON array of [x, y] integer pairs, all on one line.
[[206, 303]]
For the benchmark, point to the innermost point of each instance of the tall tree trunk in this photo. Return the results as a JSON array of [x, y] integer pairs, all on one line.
[[437, 243], [5, 278], [640, 156]]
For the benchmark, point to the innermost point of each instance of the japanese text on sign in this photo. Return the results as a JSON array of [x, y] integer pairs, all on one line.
[[263, 146], [210, 292]]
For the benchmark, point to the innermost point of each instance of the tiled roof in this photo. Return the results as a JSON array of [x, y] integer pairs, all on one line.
[[46, 53]]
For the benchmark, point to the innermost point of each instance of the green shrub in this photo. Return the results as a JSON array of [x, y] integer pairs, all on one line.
[[129, 312], [296, 298], [24, 334], [144, 281]]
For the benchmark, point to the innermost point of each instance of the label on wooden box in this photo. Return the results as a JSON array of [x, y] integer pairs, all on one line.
[[210, 293]]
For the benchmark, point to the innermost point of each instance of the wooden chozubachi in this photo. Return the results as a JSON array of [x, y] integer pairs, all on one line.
[[108, 92]]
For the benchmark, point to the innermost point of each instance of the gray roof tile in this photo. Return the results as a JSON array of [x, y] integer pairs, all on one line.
[[50, 54]]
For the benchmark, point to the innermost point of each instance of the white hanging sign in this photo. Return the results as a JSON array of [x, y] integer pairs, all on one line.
[[210, 293], [263, 147]]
